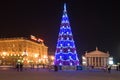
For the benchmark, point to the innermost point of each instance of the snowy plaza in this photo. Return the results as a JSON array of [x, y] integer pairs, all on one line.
[[45, 74], [28, 58]]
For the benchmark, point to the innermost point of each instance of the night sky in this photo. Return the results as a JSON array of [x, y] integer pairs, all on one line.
[[93, 22]]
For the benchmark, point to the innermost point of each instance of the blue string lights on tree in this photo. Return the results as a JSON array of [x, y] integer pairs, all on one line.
[[65, 54]]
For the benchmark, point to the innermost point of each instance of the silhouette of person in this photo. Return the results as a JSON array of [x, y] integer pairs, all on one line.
[[17, 66], [109, 69], [21, 66], [55, 68], [119, 67]]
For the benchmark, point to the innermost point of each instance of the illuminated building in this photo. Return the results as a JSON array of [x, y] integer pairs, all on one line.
[[24, 50], [51, 59], [97, 58], [66, 54]]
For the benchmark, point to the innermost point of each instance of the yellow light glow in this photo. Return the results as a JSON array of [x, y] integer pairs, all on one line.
[[14, 54], [4, 53], [12, 49], [25, 54], [39, 60], [44, 56], [7, 54], [52, 57], [83, 58], [28, 61], [36, 55], [3, 57]]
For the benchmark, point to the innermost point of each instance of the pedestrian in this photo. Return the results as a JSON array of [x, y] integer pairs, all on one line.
[[33, 66], [119, 67], [38, 66], [43, 66], [17, 66], [55, 68], [21, 66], [109, 69], [92, 66]]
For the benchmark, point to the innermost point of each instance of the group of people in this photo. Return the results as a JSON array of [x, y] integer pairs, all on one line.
[[55, 68], [106, 68], [19, 66], [109, 68]]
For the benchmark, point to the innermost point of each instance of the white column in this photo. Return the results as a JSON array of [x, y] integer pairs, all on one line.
[[98, 61], [95, 61], [89, 61], [104, 61], [92, 61]]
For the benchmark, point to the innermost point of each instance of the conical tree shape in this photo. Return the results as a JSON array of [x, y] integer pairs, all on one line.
[[66, 54]]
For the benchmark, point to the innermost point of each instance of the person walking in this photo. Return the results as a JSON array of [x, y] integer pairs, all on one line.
[[17, 66], [55, 68], [21, 66], [109, 69], [119, 67]]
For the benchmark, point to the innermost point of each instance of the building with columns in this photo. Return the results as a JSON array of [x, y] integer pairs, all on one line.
[[21, 49], [96, 58]]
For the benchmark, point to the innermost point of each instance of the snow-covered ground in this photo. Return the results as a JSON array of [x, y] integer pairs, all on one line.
[[41, 74]]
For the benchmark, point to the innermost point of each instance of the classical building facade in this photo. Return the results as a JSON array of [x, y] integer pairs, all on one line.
[[96, 58], [21, 49]]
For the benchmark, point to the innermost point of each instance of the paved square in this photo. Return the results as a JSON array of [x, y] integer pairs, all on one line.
[[60, 75]]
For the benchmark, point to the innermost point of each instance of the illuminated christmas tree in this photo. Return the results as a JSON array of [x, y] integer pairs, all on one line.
[[66, 54]]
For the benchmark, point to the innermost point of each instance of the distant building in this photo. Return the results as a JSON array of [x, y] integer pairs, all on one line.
[[21, 49], [96, 58]]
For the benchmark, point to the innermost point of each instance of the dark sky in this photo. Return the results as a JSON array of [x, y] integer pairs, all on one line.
[[93, 22]]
